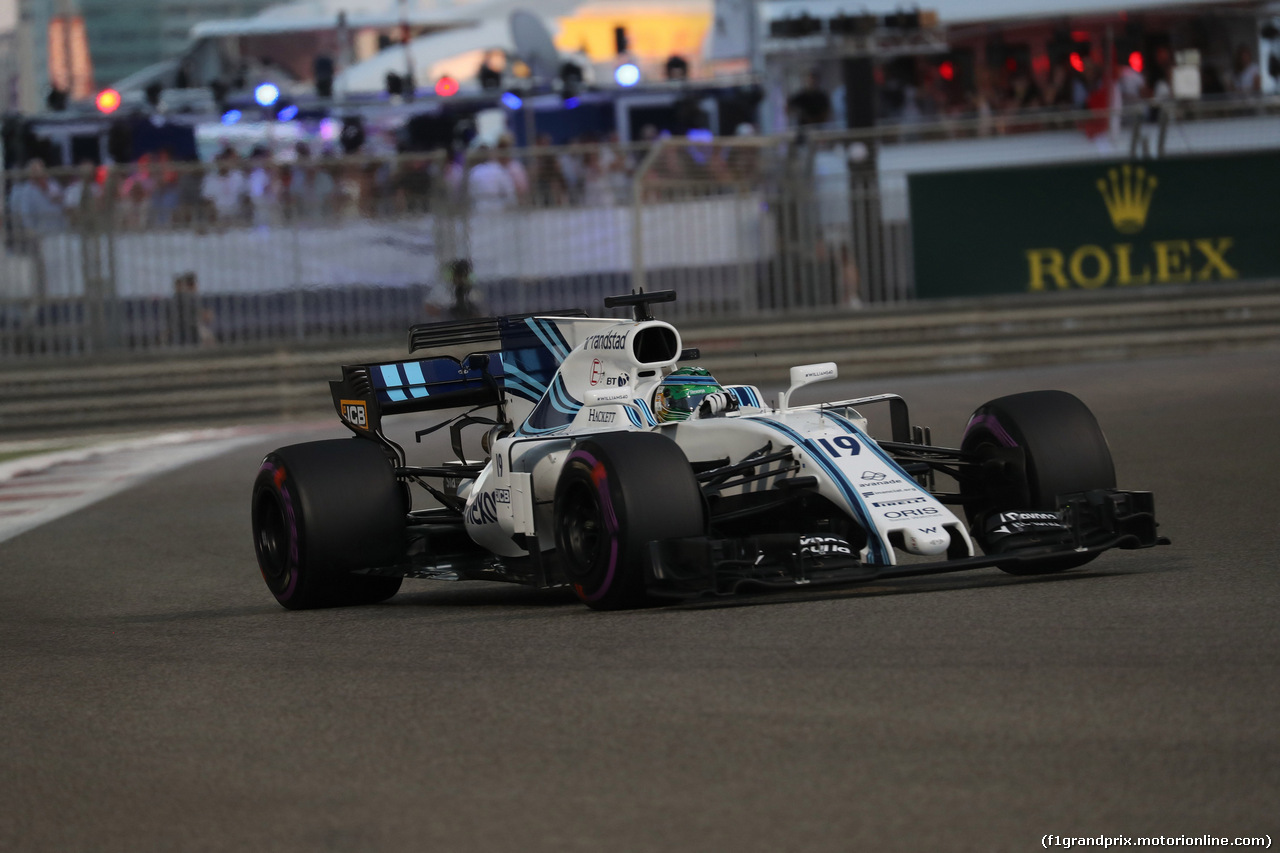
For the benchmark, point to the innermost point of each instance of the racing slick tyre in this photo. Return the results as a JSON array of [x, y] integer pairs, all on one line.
[[1031, 447], [618, 492], [321, 510]]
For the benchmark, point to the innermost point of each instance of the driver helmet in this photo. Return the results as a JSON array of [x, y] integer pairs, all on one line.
[[682, 391]]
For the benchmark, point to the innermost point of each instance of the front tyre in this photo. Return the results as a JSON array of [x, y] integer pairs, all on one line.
[[322, 510], [616, 493], [1030, 448]]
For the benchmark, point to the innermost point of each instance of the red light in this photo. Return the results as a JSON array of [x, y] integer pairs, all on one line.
[[446, 87], [1135, 61], [1077, 62], [1079, 35], [1011, 64], [947, 70], [1041, 63], [108, 100]]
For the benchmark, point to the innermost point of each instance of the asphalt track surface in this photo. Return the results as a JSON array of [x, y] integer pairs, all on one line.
[[154, 697]]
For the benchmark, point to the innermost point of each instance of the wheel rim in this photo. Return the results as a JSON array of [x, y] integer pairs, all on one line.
[[582, 530], [272, 539]]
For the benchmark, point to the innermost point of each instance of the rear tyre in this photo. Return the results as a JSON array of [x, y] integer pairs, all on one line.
[[616, 493], [1032, 447], [322, 510]]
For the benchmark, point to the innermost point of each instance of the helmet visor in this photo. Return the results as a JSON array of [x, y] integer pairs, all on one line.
[[685, 399]]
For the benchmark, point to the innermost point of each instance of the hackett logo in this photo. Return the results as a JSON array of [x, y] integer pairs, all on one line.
[[1127, 194]]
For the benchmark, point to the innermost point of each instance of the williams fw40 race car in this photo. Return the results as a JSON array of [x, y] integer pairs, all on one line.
[[609, 469]]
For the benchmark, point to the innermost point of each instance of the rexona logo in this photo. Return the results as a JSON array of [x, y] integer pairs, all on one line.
[[354, 413], [1127, 193], [609, 340]]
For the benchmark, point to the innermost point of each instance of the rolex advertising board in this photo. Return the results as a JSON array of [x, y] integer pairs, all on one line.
[[1110, 224]]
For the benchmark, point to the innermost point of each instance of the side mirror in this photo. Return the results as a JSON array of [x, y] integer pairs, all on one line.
[[806, 374]]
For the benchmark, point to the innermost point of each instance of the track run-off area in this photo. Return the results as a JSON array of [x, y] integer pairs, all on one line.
[[153, 696]]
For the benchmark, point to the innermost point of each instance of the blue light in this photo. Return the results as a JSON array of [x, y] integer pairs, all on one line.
[[289, 113], [700, 135], [511, 101], [627, 74], [266, 94], [231, 117], [570, 103]]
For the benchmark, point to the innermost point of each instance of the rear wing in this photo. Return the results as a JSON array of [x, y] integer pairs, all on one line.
[[466, 363]]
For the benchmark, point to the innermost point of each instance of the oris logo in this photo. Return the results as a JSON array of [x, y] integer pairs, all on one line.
[[923, 511]]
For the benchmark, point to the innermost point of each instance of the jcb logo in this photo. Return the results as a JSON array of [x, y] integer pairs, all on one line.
[[353, 412]]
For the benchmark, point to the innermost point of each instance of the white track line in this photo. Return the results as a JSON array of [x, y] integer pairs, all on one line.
[[35, 490]]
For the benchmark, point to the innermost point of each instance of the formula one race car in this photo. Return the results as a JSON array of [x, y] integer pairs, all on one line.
[[609, 469]]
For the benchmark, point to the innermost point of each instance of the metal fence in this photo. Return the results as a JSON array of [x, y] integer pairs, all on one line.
[[239, 252]]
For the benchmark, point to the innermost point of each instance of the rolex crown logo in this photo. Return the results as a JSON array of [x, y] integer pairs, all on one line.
[[1128, 195]]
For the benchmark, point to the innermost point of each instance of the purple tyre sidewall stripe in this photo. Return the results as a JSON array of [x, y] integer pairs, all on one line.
[[610, 519], [992, 425], [292, 519]]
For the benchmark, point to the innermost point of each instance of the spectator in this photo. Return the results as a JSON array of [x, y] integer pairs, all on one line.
[[1162, 75], [570, 165], [1085, 84], [135, 195], [617, 167], [519, 177], [224, 189], [1023, 93], [1130, 86], [167, 191], [260, 187], [1097, 99], [551, 188], [36, 203], [84, 194], [294, 186], [1059, 93], [926, 97], [596, 189], [983, 101], [811, 105], [1246, 75], [490, 184]]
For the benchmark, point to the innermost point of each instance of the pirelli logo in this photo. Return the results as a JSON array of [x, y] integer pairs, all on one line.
[[355, 413]]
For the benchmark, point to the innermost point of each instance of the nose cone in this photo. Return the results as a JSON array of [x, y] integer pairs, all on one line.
[[926, 541]]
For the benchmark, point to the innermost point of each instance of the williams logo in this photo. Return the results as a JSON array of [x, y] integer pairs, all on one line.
[[1127, 192], [1128, 195]]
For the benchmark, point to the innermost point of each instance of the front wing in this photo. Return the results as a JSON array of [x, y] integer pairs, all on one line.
[[1093, 522]]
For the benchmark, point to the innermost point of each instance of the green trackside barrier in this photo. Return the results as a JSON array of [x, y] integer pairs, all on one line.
[[1109, 224]]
